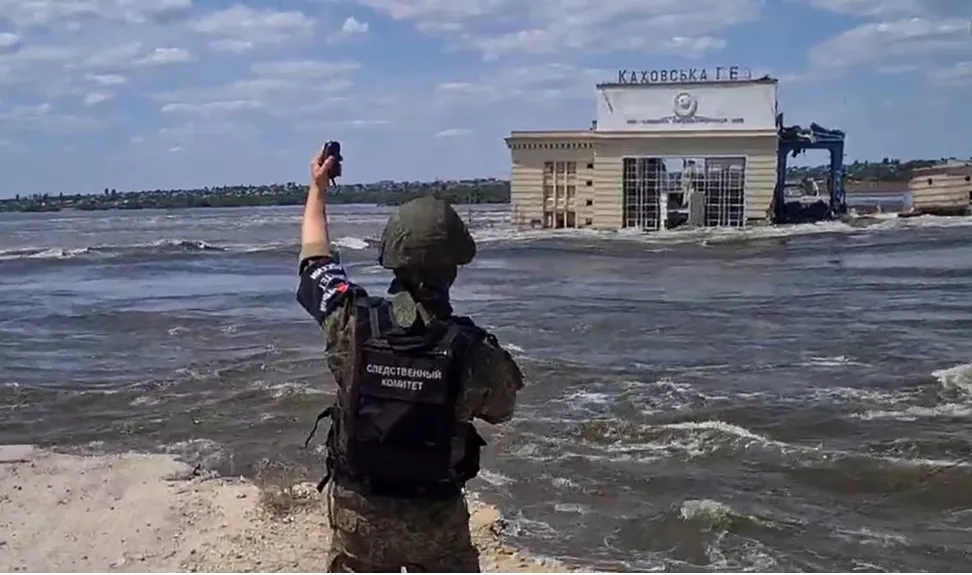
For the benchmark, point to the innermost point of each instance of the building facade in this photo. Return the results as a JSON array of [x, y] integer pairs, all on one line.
[[659, 156], [942, 190]]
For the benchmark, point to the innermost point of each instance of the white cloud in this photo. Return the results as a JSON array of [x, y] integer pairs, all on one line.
[[255, 79], [71, 13], [240, 28], [95, 98], [870, 7], [524, 84], [9, 41], [959, 74], [115, 57], [303, 69], [505, 27], [233, 46], [885, 9], [105, 79], [165, 56], [29, 111], [891, 42], [452, 133], [281, 87], [353, 26], [211, 108], [43, 116]]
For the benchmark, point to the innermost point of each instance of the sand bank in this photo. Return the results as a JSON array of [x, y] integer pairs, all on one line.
[[137, 512]]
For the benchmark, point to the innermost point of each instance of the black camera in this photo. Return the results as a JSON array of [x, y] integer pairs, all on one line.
[[332, 149]]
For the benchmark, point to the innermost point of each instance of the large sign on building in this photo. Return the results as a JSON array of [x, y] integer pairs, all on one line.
[[695, 107], [682, 75]]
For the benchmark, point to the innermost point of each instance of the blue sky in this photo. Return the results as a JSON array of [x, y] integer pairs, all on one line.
[[147, 94]]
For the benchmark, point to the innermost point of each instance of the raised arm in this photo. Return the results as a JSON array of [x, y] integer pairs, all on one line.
[[324, 286], [314, 239]]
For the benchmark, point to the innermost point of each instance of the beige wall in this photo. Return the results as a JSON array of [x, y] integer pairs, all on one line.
[[529, 152], [931, 192], [526, 183]]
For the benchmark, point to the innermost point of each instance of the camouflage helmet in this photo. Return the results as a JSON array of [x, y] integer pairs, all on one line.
[[425, 233]]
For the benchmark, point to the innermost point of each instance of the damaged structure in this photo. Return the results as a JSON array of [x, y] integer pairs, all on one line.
[[671, 148], [944, 189]]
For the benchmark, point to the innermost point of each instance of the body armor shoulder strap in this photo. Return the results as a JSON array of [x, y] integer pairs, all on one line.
[[375, 323]]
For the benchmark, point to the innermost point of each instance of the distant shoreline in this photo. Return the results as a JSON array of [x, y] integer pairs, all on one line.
[[459, 192], [482, 191]]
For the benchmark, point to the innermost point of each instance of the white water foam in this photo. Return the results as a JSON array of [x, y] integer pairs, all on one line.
[[287, 389], [957, 377], [708, 236], [833, 361], [914, 413], [351, 243], [694, 439], [501, 231], [56, 253], [494, 478]]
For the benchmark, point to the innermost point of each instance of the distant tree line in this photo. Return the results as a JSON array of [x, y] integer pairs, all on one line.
[[478, 191], [888, 173], [887, 170]]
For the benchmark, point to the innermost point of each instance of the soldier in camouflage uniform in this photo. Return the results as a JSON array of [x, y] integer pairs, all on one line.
[[382, 524]]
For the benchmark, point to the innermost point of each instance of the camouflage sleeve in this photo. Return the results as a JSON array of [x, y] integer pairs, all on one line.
[[326, 293], [494, 381]]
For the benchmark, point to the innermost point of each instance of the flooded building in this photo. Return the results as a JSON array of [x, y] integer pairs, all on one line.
[[668, 148], [942, 190]]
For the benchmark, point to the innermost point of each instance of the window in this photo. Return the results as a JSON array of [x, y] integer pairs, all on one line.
[[968, 178], [589, 203], [548, 168], [570, 191], [588, 222], [589, 183], [571, 167], [590, 165], [930, 181]]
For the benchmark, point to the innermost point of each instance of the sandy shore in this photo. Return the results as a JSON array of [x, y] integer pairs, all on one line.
[[138, 513]]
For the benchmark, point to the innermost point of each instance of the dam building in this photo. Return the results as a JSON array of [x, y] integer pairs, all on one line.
[[698, 147], [944, 189]]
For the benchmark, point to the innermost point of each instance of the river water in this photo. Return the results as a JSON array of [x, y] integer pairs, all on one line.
[[767, 399]]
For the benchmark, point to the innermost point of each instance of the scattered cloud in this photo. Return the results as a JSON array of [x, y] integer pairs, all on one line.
[[9, 41], [240, 28], [267, 80], [959, 74], [105, 79], [95, 98], [498, 28], [537, 84], [353, 26], [894, 41], [165, 56], [453, 133]]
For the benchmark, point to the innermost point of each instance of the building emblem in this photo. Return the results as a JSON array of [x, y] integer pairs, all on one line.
[[685, 106]]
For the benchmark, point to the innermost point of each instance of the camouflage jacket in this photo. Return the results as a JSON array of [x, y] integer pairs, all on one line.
[[493, 377]]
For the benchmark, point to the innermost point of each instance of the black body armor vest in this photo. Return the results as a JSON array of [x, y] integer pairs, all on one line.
[[398, 412]]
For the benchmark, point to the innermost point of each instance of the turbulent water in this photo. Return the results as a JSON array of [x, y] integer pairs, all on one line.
[[766, 399]]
